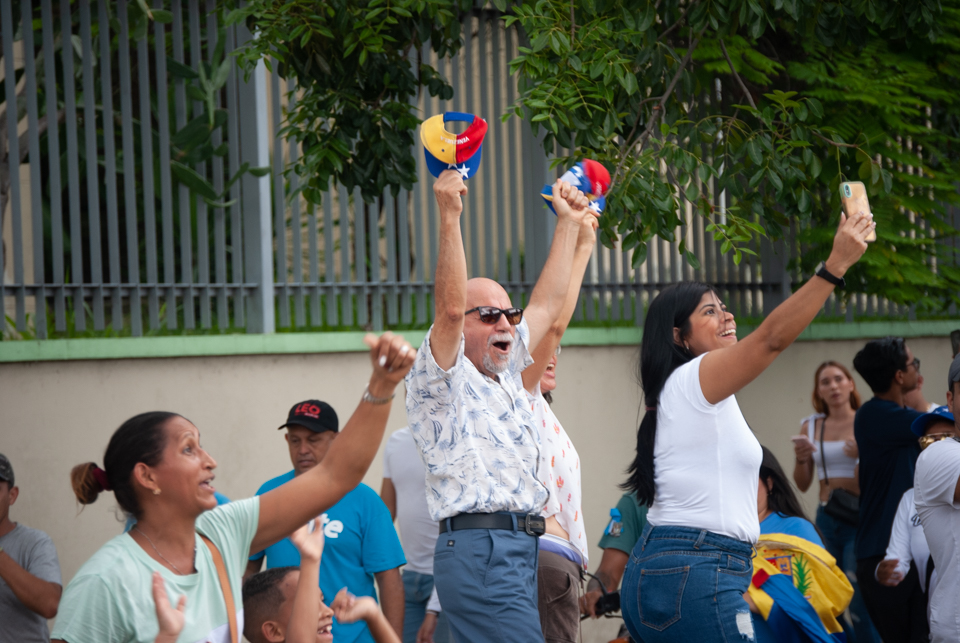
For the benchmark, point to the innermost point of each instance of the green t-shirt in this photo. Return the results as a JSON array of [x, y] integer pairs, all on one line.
[[633, 517], [110, 600]]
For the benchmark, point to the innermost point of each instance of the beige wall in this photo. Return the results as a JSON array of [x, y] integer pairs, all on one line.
[[57, 414]]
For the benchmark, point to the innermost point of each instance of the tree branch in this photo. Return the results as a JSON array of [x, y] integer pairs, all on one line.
[[573, 25], [733, 71], [834, 143], [657, 110], [678, 21]]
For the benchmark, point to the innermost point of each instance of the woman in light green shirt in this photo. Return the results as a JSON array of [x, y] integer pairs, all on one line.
[[161, 475]]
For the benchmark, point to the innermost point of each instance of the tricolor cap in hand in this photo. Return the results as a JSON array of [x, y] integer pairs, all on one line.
[[590, 177], [446, 151]]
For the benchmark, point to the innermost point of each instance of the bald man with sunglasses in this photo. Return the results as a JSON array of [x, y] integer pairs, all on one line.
[[474, 428]]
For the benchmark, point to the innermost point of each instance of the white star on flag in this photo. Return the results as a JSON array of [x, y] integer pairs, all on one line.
[[595, 206]]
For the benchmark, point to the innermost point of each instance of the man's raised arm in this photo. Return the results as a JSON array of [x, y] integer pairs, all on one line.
[[549, 294], [450, 283]]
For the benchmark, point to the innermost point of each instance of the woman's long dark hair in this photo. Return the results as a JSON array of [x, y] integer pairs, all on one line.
[[660, 355], [781, 498]]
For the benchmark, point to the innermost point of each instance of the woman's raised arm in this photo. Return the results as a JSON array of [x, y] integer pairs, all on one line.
[[725, 371], [291, 505]]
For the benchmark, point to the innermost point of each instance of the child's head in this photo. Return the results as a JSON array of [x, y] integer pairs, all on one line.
[[268, 603]]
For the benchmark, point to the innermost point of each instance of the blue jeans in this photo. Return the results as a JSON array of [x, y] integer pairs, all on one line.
[[487, 583], [416, 594], [685, 584], [838, 539]]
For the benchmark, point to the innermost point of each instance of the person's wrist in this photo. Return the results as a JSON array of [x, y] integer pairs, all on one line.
[[803, 460], [381, 387], [836, 267]]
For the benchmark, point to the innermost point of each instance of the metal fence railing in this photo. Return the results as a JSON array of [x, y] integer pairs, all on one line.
[[107, 233]]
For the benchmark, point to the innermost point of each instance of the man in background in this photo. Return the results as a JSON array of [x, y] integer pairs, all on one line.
[[361, 543], [30, 584], [888, 455], [404, 493]]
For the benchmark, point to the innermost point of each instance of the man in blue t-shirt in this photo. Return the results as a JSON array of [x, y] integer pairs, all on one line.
[[361, 543], [888, 457]]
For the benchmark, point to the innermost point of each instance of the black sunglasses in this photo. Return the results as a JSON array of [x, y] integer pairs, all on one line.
[[491, 314]]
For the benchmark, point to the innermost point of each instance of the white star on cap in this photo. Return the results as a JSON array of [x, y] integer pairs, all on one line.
[[577, 171], [464, 171]]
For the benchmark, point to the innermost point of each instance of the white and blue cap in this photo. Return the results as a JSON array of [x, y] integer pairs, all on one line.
[[920, 425]]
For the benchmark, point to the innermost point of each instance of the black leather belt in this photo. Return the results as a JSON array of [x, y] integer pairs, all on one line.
[[531, 523]]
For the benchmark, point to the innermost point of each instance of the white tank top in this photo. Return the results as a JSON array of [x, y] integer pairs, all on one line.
[[839, 464]]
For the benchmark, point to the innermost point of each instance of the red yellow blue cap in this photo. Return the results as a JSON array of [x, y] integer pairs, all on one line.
[[444, 150], [588, 176]]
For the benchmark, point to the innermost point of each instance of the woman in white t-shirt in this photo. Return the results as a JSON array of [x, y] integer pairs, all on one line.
[[160, 474], [697, 461]]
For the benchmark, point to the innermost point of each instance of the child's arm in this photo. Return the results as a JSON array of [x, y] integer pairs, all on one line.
[[304, 617], [348, 609]]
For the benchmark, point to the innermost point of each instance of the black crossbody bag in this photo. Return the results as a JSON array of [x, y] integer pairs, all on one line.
[[841, 505]]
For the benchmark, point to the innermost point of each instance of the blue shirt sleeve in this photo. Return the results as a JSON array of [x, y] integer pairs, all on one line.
[[792, 526], [381, 549]]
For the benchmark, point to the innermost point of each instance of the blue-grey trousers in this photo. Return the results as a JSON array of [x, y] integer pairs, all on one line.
[[487, 583], [417, 588]]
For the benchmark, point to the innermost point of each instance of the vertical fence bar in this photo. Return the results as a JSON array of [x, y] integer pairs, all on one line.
[[346, 294], [73, 170], [91, 161], [316, 318], [489, 194], [166, 184], [255, 150], [183, 194], [419, 226], [53, 169], [373, 239], [149, 198], [329, 273], [36, 167], [515, 246], [360, 257], [219, 214], [467, 101], [13, 150], [403, 271], [279, 211], [390, 224], [203, 230], [110, 168], [233, 164], [296, 220], [129, 181], [497, 126]]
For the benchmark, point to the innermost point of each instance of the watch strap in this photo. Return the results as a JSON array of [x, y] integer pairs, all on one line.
[[370, 399], [825, 274]]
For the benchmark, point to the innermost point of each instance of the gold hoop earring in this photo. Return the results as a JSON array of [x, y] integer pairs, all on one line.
[[156, 492]]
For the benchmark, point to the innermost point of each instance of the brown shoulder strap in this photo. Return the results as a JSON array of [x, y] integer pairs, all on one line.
[[225, 587]]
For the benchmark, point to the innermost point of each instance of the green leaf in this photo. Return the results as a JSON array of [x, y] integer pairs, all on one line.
[[775, 179], [816, 107], [192, 134], [815, 166], [162, 16], [259, 171], [180, 70], [753, 150], [190, 178], [220, 75], [630, 83], [219, 204]]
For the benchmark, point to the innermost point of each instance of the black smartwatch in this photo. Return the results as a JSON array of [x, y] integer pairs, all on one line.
[[823, 273]]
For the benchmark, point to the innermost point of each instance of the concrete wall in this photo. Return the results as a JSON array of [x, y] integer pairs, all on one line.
[[57, 414]]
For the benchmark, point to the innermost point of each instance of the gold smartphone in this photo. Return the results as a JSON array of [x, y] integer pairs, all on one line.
[[853, 199]]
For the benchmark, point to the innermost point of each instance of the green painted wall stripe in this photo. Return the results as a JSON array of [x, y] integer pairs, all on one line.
[[346, 342]]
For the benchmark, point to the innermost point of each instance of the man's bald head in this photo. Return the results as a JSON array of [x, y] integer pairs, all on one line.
[[486, 292], [488, 346]]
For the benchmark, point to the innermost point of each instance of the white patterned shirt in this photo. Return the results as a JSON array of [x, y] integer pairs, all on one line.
[[476, 435], [560, 473]]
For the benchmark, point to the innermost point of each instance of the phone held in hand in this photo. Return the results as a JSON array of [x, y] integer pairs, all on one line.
[[797, 439], [853, 199]]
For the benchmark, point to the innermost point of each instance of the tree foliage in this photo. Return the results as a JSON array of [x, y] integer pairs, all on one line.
[[357, 70], [774, 102]]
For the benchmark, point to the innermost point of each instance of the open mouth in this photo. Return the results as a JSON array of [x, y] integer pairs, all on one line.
[[325, 632], [207, 485], [502, 346], [729, 332]]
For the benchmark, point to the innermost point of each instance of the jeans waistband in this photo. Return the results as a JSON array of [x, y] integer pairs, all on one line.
[[697, 538]]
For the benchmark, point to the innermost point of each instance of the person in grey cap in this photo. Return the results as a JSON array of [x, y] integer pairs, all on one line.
[[937, 494], [30, 584], [361, 543]]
